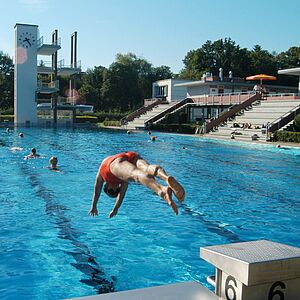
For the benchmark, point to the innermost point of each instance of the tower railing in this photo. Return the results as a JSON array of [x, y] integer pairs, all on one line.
[[62, 64], [50, 85], [40, 42]]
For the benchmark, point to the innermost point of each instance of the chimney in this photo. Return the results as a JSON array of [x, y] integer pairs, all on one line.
[[221, 74]]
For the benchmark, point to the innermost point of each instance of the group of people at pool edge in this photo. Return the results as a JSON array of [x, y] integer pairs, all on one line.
[[115, 173]]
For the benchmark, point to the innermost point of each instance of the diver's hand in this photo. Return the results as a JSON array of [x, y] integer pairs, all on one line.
[[93, 211]]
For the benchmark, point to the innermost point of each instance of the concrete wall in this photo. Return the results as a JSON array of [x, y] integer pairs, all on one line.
[[177, 92], [198, 90], [173, 93]]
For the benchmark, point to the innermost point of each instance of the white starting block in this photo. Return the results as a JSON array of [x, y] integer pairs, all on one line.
[[258, 270]]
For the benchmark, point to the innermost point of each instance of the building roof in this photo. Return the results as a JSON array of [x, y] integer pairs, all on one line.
[[292, 71], [173, 80], [215, 80], [227, 83], [25, 25]]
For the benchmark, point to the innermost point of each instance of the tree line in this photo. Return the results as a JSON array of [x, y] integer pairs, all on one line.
[[125, 84]]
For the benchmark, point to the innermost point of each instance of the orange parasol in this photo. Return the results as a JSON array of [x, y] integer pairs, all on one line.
[[261, 77]]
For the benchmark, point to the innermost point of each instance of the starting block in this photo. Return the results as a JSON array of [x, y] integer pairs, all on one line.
[[257, 270]]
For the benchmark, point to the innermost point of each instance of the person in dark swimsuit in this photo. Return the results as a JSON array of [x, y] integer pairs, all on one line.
[[118, 170]]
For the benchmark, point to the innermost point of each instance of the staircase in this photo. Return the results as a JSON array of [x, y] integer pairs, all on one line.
[[143, 118], [258, 115], [139, 121]]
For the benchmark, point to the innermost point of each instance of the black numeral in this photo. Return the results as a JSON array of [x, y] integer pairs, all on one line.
[[229, 287], [273, 292]]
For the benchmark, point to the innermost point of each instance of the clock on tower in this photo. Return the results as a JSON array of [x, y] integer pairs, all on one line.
[[26, 39]]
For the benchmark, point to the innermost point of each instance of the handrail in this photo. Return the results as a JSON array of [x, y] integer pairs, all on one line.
[[168, 110], [139, 112], [222, 99], [282, 95], [43, 100], [207, 127], [284, 119], [45, 64], [52, 84], [61, 64], [223, 94], [40, 42]]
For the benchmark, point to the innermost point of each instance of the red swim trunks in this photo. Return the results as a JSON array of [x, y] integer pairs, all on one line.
[[105, 166]]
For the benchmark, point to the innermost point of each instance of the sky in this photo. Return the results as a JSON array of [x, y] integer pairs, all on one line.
[[159, 31]]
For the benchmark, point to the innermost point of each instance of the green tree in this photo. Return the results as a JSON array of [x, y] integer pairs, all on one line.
[[120, 86], [289, 58], [6, 81], [91, 85], [262, 62], [285, 60], [214, 55], [128, 81], [160, 73]]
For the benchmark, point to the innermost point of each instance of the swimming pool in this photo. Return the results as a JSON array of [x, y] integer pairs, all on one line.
[[51, 249]]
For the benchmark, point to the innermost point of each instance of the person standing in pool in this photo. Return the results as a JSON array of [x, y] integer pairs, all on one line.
[[118, 170]]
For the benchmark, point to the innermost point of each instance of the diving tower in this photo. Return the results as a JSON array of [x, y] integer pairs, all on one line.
[[36, 80]]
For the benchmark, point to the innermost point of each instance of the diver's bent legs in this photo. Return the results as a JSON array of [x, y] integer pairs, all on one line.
[[158, 171], [164, 192], [151, 170], [176, 188]]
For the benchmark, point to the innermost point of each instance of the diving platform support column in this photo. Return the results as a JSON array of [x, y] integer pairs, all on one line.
[[256, 270], [54, 77], [25, 75], [73, 63]]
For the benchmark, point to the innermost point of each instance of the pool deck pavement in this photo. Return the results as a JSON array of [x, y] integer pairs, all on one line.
[[215, 137], [261, 141], [190, 290], [207, 136]]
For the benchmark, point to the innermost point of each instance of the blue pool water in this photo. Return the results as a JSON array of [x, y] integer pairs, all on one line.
[[51, 249]]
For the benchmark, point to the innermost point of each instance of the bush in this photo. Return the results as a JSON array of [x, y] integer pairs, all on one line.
[[169, 118], [111, 123], [296, 123], [104, 116], [8, 111], [6, 118], [182, 117], [86, 119], [112, 116], [287, 136]]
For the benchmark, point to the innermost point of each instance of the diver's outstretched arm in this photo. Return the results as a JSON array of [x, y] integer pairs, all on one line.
[[97, 191], [119, 200]]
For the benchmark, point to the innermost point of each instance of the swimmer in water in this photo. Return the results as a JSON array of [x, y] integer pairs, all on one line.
[[53, 163], [33, 154]]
